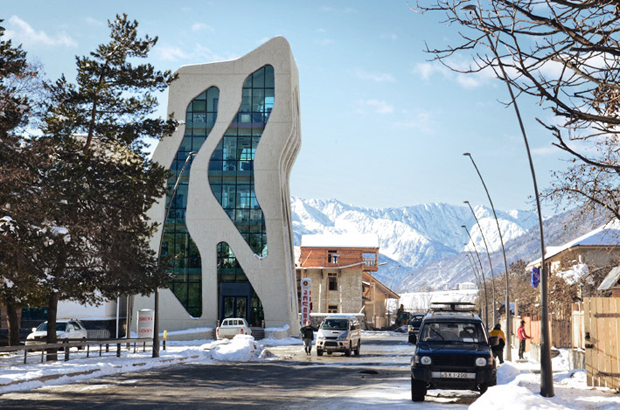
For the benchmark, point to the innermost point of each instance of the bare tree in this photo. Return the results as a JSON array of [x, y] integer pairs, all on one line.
[[566, 54]]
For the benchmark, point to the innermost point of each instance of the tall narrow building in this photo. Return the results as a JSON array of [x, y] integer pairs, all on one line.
[[229, 229]]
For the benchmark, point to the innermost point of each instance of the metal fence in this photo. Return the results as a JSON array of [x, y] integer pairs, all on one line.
[[87, 348]]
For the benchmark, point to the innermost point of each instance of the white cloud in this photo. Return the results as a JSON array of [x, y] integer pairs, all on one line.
[[427, 70], [546, 151], [94, 22], [348, 10], [389, 36], [205, 53], [22, 32], [466, 80], [378, 77], [201, 27], [421, 122], [325, 42], [321, 30], [378, 107], [168, 53]]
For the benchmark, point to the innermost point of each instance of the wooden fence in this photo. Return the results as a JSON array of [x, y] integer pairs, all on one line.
[[601, 334], [559, 331]]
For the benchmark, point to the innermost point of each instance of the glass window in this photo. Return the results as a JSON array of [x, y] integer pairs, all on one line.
[[200, 117], [333, 281], [236, 152]]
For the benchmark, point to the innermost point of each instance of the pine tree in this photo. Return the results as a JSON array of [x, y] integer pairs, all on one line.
[[101, 179], [20, 196]]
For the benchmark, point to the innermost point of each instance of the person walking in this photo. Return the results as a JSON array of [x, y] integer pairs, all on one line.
[[497, 339], [307, 335], [522, 338]]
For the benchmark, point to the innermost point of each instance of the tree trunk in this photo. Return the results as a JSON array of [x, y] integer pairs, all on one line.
[[14, 325], [52, 311]]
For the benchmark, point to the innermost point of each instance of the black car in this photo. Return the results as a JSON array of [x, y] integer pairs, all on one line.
[[452, 352], [413, 327]]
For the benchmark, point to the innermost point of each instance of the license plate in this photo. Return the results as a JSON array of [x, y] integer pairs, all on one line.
[[453, 375]]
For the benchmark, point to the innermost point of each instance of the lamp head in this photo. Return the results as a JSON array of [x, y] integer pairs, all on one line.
[[467, 154], [469, 7], [463, 226], [465, 202]]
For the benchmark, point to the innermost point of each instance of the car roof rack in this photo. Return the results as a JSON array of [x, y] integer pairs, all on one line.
[[452, 307]]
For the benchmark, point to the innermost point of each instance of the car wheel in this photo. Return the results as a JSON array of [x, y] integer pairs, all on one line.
[[83, 340], [418, 390], [357, 349], [348, 352], [483, 388], [412, 339], [319, 352]]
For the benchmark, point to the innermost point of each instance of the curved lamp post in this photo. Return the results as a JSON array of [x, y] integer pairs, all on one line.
[[546, 372], [486, 246], [486, 300], [470, 258], [161, 241]]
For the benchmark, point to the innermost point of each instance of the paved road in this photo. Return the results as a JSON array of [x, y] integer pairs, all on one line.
[[289, 379]]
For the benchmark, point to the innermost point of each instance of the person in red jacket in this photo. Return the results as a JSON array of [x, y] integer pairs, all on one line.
[[522, 338]]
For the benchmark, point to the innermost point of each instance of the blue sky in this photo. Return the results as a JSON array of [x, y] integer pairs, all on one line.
[[382, 125]]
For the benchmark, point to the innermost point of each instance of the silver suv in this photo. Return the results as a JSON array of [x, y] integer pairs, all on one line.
[[339, 333]]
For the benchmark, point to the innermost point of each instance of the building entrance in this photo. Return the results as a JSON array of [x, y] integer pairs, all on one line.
[[235, 300]]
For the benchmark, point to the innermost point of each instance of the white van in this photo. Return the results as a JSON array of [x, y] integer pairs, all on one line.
[[339, 333], [232, 327]]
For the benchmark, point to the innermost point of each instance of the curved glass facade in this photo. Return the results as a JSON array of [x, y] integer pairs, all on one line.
[[231, 167], [177, 244], [237, 297]]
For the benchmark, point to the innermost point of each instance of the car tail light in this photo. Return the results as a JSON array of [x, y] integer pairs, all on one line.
[[242, 331], [217, 331]]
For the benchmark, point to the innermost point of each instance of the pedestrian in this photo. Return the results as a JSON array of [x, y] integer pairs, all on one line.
[[307, 335], [522, 338], [497, 340]]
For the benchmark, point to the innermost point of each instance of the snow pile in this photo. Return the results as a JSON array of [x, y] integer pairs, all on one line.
[[574, 273], [518, 388], [242, 348], [511, 397]]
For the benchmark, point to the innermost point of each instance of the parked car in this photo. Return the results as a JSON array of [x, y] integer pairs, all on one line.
[[413, 327], [339, 333], [231, 327], [452, 352], [66, 330]]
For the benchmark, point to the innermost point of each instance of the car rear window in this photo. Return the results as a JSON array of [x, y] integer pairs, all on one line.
[[452, 332]]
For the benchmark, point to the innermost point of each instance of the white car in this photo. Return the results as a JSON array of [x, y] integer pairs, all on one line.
[[232, 327], [339, 333], [66, 330]]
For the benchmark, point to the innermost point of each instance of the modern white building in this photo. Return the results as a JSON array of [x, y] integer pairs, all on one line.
[[229, 229]]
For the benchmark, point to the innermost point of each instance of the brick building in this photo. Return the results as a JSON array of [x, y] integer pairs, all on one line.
[[341, 269]]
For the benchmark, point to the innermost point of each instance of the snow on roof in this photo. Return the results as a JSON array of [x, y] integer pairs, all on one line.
[[340, 241], [606, 235]]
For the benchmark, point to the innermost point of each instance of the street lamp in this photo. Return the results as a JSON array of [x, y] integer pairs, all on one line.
[[501, 240], [486, 300], [476, 274], [161, 241], [546, 372], [488, 257]]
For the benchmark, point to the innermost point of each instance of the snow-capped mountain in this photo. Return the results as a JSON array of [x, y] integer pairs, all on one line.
[[415, 236]]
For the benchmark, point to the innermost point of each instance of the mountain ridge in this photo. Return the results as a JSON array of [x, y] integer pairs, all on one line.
[[414, 238]]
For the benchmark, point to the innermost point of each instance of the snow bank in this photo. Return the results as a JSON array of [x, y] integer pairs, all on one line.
[[242, 348], [512, 397]]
